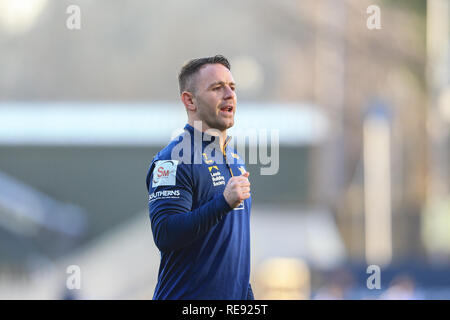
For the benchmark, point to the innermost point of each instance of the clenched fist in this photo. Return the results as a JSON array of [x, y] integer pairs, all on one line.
[[237, 190]]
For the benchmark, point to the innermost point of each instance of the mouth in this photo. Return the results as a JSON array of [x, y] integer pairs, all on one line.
[[228, 109]]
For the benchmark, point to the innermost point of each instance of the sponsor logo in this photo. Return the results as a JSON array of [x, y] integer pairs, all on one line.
[[165, 173], [164, 194], [213, 167], [216, 176]]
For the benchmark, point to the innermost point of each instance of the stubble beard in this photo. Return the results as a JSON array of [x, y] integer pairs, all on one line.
[[214, 121]]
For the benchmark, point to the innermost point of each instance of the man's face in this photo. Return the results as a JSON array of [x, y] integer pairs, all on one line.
[[215, 97]]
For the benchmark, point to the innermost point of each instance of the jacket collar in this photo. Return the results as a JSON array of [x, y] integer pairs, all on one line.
[[206, 138]]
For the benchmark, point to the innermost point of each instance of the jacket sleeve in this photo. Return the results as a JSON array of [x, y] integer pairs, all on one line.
[[174, 223]]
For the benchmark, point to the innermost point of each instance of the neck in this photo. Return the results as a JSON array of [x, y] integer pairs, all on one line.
[[203, 127]]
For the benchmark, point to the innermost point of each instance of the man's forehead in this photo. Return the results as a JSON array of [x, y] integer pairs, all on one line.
[[217, 72]]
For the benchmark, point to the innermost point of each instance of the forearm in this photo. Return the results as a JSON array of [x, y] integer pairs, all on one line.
[[176, 230]]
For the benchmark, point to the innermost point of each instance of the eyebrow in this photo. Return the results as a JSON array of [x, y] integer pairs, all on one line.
[[221, 83]]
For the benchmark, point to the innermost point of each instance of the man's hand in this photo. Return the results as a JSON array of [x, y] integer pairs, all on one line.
[[237, 190]]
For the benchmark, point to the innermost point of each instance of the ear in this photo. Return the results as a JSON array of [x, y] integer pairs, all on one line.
[[188, 101]]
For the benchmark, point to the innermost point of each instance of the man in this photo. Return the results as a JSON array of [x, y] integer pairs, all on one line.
[[199, 194]]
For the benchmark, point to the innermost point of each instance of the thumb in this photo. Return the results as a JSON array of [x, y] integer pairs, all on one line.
[[245, 174]]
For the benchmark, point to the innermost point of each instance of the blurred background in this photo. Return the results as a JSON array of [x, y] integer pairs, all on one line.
[[359, 91]]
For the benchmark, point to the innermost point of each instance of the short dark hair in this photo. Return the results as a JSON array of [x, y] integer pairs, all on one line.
[[191, 67]]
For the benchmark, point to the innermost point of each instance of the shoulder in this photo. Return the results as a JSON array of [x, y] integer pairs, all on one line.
[[171, 159], [177, 149]]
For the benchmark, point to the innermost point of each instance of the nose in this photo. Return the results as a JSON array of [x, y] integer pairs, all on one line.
[[229, 93]]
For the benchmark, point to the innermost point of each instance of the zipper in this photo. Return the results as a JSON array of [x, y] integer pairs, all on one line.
[[225, 154]]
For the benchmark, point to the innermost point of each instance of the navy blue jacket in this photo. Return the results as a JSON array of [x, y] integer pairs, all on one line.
[[204, 244]]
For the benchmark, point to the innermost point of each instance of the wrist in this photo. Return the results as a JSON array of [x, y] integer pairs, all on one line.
[[224, 199]]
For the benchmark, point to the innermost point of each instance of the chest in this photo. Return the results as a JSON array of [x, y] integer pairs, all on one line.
[[211, 176], [212, 179]]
